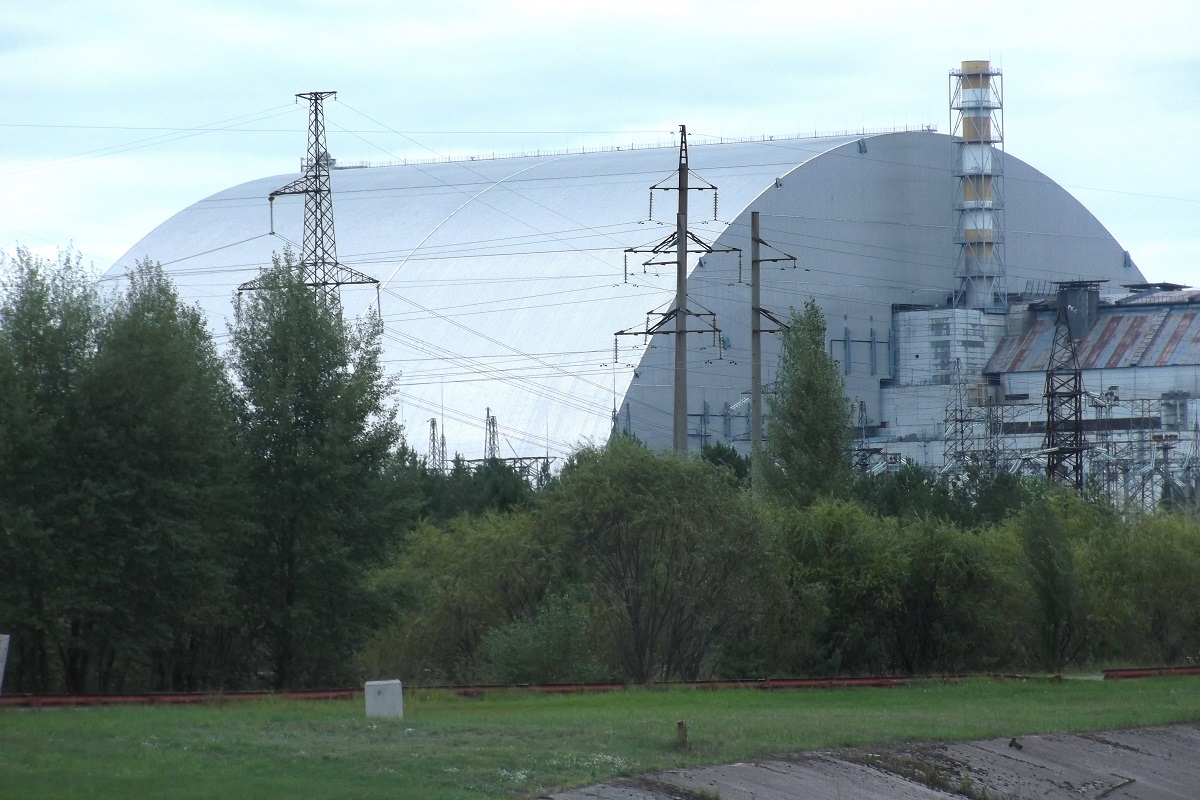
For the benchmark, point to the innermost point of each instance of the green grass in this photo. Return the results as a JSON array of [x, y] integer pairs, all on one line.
[[520, 745]]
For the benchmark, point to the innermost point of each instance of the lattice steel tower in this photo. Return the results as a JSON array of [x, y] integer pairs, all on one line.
[[436, 455], [977, 125], [963, 424], [319, 267], [1065, 443], [491, 437]]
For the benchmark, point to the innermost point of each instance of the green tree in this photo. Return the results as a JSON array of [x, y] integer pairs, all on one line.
[[550, 646], [455, 581], [160, 500], [1141, 584], [847, 573], [809, 425], [947, 619], [781, 617], [1051, 531], [491, 486], [988, 496], [911, 491], [670, 547], [49, 316], [872, 594], [979, 496], [320, 437], [1166, 577], [726, 455]]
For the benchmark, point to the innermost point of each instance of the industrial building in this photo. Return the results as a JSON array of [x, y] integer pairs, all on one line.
[[528, 299]]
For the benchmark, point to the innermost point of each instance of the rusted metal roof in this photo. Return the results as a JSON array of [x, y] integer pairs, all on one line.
[[1175, 296], [1146, 336]]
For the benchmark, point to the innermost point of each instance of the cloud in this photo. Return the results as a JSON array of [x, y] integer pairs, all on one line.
[[1099, 93]]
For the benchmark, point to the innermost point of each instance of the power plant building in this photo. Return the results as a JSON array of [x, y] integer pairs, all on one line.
[[504, 281]]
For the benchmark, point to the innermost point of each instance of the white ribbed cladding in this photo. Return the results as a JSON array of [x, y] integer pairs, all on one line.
[[502, 279], [505, 277]]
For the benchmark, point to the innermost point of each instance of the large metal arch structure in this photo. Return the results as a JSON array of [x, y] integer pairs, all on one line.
[[505, 279]]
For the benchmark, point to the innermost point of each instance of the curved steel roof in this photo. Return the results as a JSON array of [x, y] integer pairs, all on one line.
[[504, 280]]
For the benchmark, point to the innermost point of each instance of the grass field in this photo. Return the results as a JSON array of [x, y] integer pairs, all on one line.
[[517, 744]]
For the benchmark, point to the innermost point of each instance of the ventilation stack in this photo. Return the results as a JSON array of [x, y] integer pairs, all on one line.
[[977, 125]]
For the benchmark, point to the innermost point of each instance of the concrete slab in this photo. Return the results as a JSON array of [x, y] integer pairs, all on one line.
[[820, 776], [610, 791], [1146, 764], [1149, 764]]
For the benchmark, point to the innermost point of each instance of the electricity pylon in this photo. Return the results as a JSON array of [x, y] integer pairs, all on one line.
[[681, 242], [319, 267]]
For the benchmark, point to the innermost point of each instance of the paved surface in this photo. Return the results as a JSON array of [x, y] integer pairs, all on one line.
[[1145, 764]]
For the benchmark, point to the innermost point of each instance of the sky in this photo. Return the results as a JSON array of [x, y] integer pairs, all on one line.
[[116, 115]]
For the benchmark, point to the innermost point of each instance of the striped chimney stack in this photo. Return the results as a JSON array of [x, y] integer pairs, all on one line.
[[977, 125]]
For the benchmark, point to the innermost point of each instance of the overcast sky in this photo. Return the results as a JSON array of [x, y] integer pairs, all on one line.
[[116, 115]]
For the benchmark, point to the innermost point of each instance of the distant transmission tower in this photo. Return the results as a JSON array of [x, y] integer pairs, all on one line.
[[956, 442], [319, 267], [1103, 463], [436, 456], [491, 443], [966, 423], [998, 450]]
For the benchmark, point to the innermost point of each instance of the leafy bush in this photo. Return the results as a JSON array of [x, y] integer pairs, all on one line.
[[671, 551], [552, 646], [454, 582]]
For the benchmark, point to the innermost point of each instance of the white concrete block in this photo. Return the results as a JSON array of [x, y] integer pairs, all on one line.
[[385, 699]]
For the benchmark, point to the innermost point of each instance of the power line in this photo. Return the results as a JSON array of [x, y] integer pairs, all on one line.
[[172, 129], [475, 197], [143, 143]]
